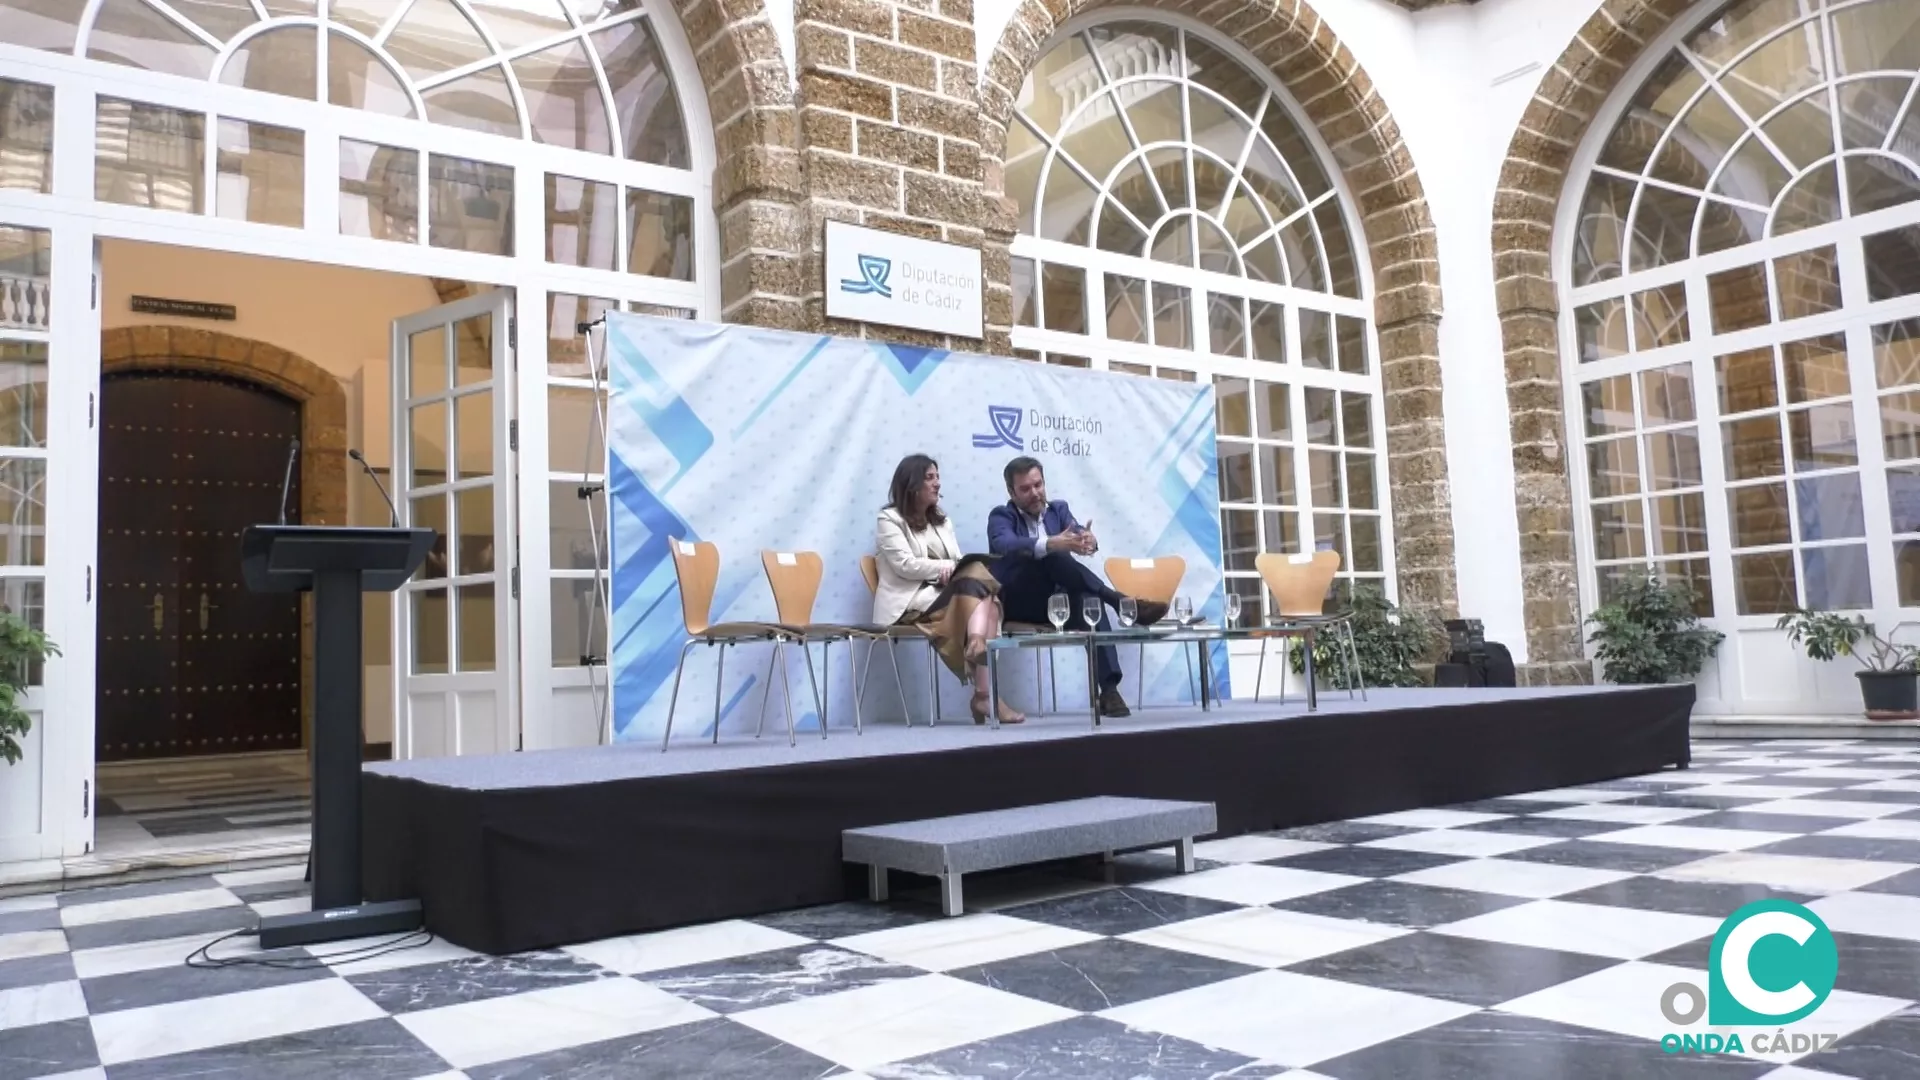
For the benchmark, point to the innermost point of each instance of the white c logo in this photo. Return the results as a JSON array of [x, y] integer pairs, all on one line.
[[1738, 948]]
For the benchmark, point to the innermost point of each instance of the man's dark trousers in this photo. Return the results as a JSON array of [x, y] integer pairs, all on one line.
[[1024, 594]]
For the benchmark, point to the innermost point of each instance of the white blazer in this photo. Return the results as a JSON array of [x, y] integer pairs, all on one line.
[[909, 572]]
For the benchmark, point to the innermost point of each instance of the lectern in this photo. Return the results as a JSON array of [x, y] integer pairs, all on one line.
[[336, 564]]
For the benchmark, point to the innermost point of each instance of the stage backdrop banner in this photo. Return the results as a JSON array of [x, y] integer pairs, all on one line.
[[761, 440]]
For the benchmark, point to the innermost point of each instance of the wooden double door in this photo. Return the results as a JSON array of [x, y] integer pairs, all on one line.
[[190, 662]]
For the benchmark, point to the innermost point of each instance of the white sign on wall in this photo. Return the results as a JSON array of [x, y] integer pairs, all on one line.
[[893, 280]]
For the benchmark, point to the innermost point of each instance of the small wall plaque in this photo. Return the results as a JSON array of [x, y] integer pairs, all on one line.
[[185, 309]]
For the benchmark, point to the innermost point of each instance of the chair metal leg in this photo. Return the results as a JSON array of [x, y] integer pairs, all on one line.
[[1359, 677], [673, 703], [933, 684], [1140, 678], [719, 683], [761, 728], [819, 702], [899, 682], [1187, 652], [853, 664], [1053, 678], [786, 692], [1260, 672], [1286, 665]]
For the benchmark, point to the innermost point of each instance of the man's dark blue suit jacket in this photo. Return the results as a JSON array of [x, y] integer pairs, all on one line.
[[1010, 537]]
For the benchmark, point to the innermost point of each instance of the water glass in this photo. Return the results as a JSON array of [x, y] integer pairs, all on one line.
[[1129, 611], [1090, 611], [1183, 610], [1233, 608], [1058, 611]]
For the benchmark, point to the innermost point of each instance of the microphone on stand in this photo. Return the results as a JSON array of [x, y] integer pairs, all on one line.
[[382, 488], [286, 482]]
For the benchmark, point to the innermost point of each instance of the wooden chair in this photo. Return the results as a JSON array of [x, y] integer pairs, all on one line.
[[795, 577], [696, 566], [1156, 580], [1299, 584], [893, 635]]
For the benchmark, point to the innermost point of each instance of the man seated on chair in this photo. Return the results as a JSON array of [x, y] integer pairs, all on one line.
[[1036, 541]]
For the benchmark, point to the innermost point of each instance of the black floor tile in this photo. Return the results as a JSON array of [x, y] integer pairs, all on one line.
[[1102, 974], [1888, 1050], [1599, 855], [712, 1050], [1487, 1045], [1399, 903], [776, 977], [1083, 1048], [1114, 912], [46, 1049], [847, 919], [371, 1050], [1364, 861], [1465, 970], [475, 978], [1711, 899]]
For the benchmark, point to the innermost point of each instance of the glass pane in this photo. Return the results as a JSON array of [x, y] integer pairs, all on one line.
[[1896, 353], [1274, 411], [1813, 200], [1126, 309], [430, 512], [427, 356], [1330, 534], [1816, 369], [1739, 298], [1618, 531], [1240, 538], [1598, 242], [582, 223], [1234, 410], [1236, 472], [1253, 611], [1601, 329], [131, 33], [1758, 515], [357, 79], [1809, 282], [473, 510], [1613, 468], [1903, 498], [1900, 425], [1753, 448], [1723, 226], [1655, 106], [478, 102], [1226, 325], [1837, 578], [574, 442], [1351, 335], [1172, 316], [27, 598], [1906, 565], [429, 631], [145, 155], [474, 614], [579, 622], [662, 227], [1666, 395], [1764, 584], [1679, 524], [1746, 381], [26, 278], [1282, 532], [1173, 242], [566, 347], [429, 444], [1025, 301], [1830, 507], [1066, 207], [1342, 268], [1324, 476], [1609, 405], [26, 136], [1673, 460], [1893, 263], [1320, 416], [1118, 233], [23, 393], [1356, 419], [1269, 332], [474, 415], [1662, 227], [564, 107], [1316, 339], [23, 512], [379, 192], [1823, 437], [1064, 298], [469, 205], [643, 95], [1361, 493], [435, 37], [283, 61], [1776, 72], [261, 174], [1277, 483], [1660, 316], [1695, 574]]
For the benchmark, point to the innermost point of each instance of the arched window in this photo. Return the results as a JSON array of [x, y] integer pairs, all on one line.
[[1177, 221], [1743, 310]]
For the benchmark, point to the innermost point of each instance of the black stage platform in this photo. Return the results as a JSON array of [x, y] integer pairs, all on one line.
[[522, 851]]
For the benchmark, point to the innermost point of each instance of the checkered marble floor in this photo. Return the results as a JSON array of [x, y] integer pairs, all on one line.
[[1528, 936]]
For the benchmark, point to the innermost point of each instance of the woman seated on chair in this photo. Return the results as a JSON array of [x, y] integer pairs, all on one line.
[[924, 581]]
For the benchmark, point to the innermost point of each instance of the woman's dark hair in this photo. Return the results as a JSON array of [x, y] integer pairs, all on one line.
[[909, 477]]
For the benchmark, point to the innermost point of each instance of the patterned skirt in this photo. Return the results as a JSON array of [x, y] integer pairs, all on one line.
[[945, 620]]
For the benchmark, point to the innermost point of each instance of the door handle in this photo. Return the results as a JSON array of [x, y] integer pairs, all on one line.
[[206, 605], [159, 611]]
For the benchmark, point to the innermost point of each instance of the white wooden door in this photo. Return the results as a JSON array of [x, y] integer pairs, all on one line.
[[453, 445]]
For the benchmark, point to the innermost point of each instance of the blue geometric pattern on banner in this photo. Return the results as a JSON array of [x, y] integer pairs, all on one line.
[[666, 413], [911, 364]]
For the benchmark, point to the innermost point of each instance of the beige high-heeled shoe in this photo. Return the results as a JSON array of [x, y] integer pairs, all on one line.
[[978, 707]]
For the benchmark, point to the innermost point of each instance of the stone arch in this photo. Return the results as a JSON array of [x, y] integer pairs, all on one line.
[[1526, 204], [323, 424], [1289, 38]]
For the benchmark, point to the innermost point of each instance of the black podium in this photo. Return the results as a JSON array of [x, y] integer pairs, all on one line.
[[336, 564]]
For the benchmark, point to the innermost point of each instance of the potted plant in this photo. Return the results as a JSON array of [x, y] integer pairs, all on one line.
[[1392, 645], [1890, 681], [1649, 633], [22, 652]]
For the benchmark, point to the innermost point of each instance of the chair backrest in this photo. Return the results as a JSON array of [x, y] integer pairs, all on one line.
[[870, 569], [1156, 579], [1299, 583], [696, 565], [795, 577]]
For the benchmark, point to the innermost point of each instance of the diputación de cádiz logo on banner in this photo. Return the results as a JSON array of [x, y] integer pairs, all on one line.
[[1773, 964], [1060, 434]]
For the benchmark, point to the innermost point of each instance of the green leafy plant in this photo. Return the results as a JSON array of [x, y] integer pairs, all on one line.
[[22, 652], [1392, 644], [1825, 635], [1649, 634]]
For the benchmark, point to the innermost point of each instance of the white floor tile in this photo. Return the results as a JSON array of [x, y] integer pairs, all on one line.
[[1264, 937], [16, 905], [1689, 838], [152, 955], [1462, 842], [1832, 808], [1598, 930], [146, 907], [1693, 777], [946, 944], [1577, 794], [497, 1029], [640, 953], [182, 1026], [894, 1021], [1888, 785], [339, 955], [1283, 1017], [1247, 849], [1880, 829], [1757, 791], [25, 1006], [1850, 772], [1879, 914], [1795, 1072], [237, 878], [1507, 877], [1432, 819], [1251, 884], [32, 943], [95, 1073], [286, 905], [1611, 814], [1789, 873]]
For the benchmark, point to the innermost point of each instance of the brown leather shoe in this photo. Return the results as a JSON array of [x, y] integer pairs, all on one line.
[[1112, 704], [1148, 612]]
